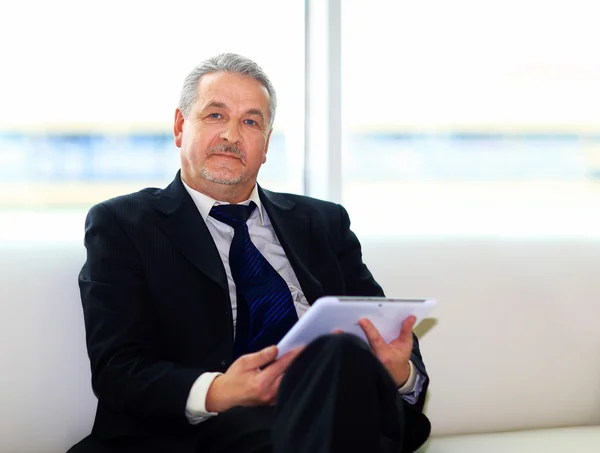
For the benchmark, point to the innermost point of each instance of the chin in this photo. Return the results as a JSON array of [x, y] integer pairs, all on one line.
[[222, 177]]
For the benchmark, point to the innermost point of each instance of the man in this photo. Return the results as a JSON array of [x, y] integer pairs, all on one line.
[[187, 289]]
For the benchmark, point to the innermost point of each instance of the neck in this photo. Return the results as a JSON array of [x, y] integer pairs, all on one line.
[[230, 193]]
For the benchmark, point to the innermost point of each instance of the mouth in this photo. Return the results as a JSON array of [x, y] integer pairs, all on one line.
[[226, 155]]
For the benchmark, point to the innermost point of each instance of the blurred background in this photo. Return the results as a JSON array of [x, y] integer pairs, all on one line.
[[469, 117], [474, 125]]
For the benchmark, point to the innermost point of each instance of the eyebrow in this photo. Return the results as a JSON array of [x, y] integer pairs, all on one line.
[[256, 112], [218, 105]]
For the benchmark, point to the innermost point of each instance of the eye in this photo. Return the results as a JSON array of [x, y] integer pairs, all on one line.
[[250, 122], [215, 116]]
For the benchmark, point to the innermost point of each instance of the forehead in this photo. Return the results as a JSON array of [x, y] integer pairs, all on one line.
[[233, 90]]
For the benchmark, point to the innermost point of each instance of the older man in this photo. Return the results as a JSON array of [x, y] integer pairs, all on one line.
[[187, 289]]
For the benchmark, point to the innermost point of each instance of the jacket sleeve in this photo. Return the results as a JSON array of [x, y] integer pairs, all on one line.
[[128, 373]]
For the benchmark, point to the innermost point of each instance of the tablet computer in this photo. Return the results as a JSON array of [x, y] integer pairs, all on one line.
[[330, 313]]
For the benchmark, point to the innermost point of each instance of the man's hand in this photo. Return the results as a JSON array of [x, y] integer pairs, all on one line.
[[245, 384], [395, 355]]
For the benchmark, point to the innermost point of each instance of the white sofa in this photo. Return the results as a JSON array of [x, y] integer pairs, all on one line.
[[513, 348]]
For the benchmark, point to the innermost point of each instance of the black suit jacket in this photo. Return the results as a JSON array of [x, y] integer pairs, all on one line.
[[156, 302]]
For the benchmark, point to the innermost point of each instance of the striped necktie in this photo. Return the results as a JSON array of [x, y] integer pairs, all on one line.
[[265, 306]]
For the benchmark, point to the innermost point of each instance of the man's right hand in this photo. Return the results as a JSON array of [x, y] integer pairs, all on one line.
[[246, 384]]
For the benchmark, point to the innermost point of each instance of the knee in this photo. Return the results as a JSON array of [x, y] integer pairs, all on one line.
[[343, 342], [351, 355]]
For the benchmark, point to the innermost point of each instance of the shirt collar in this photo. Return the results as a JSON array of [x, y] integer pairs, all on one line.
[[204, 203]]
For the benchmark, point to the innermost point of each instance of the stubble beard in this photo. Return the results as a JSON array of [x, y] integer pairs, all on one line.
[[219, 179], [209, 176]]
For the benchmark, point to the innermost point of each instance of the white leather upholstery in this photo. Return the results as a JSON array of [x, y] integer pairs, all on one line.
[[515, 344], [580, 440]]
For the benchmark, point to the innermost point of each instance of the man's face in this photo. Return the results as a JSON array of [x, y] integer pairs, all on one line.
[[225, 137]]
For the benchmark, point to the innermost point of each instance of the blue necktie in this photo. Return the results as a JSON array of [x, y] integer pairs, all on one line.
[[265, 306]]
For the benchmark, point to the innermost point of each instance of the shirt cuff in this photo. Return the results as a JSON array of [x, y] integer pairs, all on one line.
[[414, 391], [195, 408], [409, 385]]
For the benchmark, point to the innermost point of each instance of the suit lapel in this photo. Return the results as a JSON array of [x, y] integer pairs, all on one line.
[[181, 221], [292, 227]]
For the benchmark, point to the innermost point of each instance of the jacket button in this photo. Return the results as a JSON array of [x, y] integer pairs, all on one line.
[[223, 363]]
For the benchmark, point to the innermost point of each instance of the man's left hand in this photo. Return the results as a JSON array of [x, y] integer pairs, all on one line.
[[395, 355]]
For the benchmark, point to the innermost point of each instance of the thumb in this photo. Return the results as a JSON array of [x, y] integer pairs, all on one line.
[[260, 358]]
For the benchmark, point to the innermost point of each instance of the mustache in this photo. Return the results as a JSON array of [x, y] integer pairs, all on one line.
[[227, 149]]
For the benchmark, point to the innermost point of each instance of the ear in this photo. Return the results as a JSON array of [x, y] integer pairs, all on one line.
[[178, 127], [264, 159]]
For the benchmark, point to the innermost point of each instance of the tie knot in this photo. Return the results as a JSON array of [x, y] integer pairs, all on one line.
[[234, 215]]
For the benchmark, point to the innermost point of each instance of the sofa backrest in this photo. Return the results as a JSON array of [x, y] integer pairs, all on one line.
[[513, 344]]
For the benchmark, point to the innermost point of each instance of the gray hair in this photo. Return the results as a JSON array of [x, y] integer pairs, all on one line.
[[225, 62]]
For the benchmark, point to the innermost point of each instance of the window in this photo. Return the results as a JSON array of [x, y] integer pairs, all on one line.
[[470, 117], [90, 91], [461, 117]]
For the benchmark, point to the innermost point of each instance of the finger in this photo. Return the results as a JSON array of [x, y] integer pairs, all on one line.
[[406, 331], [275, 369], [277, 383], [258, 359], [275, 389], [373, 336]]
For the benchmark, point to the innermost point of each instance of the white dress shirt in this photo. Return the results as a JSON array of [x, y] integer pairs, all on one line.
[[264, 238]]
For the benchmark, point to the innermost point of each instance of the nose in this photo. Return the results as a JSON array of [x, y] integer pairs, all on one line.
[[231, 133]]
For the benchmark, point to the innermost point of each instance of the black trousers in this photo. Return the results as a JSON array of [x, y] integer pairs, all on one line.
[[336, 397]]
